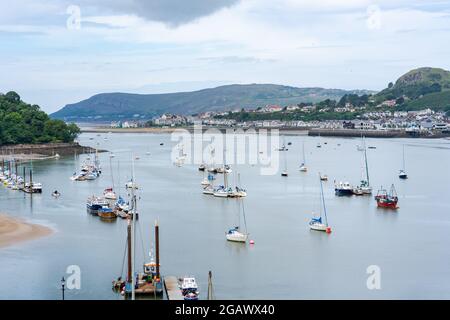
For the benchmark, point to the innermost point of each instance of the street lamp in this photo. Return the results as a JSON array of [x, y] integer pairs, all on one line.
[[63, 283]]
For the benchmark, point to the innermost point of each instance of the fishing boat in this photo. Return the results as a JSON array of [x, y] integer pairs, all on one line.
[[316, 222], [343, 189], [387, 200], [402, 173], [147, 282], [235, 234], [303, 167]]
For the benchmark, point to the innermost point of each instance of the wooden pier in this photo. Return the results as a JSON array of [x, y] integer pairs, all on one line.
[[173, 291]]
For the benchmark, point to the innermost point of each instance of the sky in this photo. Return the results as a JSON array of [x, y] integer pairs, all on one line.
[[57, 52]]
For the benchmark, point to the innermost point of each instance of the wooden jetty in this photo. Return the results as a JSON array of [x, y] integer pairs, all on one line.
[[173, 290]]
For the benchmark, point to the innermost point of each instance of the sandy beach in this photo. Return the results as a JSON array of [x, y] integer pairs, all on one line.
[[14, 230]]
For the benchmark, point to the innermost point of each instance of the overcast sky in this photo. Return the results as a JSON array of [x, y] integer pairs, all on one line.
[[57, 52]]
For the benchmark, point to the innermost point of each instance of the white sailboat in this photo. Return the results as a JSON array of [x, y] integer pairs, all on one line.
[[316, 223], [236, 234], [284, 173], [303, 167], [402, 173], [364, 188]]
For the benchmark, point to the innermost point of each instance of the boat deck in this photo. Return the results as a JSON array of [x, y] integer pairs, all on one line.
[[172, 289]]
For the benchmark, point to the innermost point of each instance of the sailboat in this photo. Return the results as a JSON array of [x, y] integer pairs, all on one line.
[[109, 193], [284, 173], [235, 234], [318, 143], [402, 174], [364, 188], [303, 167], [316, 223]]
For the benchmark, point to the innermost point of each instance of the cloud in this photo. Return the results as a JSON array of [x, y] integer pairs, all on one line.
[[170, 12]]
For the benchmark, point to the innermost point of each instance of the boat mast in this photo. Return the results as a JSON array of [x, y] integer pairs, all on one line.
[[157, 249], [304, 158], [129, 274], [210, 287], [367, 166], [404, 168], [323, 201], [133, 226]]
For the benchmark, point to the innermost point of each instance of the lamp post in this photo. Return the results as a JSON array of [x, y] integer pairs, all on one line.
[[63, 283]]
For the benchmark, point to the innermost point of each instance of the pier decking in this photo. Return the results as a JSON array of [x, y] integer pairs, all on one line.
[[172, 289]]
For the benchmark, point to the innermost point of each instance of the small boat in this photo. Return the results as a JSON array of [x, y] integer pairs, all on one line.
[[106, 212], [191, 296], [94, 204], [316, 222], [56, 194], [202, 167], [284, 173], [372, 147], [343, 189], [387, 200], [161, 144], [324, 177], [189, 285]]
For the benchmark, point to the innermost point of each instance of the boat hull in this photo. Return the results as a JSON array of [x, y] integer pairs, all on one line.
[[237, 237]]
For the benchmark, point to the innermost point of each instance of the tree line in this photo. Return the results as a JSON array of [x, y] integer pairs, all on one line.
[[25, 123]]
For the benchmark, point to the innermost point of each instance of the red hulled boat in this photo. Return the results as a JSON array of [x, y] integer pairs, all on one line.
[[387, 200]]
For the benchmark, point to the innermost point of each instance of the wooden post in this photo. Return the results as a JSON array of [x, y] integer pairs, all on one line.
[[129, 276], [157, 248]]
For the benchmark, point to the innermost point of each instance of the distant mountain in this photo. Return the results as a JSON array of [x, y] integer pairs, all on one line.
[[114, 106], [420, 88]]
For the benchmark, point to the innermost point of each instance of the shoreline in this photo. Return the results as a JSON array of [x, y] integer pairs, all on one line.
[[288, 131], [14, 231], [43, 151]]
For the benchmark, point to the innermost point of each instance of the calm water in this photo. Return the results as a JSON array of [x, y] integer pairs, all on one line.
[[411, 246]]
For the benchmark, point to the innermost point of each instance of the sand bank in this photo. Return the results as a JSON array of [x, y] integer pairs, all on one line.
[[14, 230]]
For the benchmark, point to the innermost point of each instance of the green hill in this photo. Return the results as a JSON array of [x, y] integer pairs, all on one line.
[[114, 106], [420, 88], [25, 123]]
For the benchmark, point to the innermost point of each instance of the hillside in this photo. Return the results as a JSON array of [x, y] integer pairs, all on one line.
[[24, 123], [420, 88], [113, 106]]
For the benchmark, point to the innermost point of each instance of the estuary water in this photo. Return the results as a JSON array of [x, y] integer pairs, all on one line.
[[410, 246]]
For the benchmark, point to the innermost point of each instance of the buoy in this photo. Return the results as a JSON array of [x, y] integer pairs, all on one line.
[[328, 230], [252, 242]]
